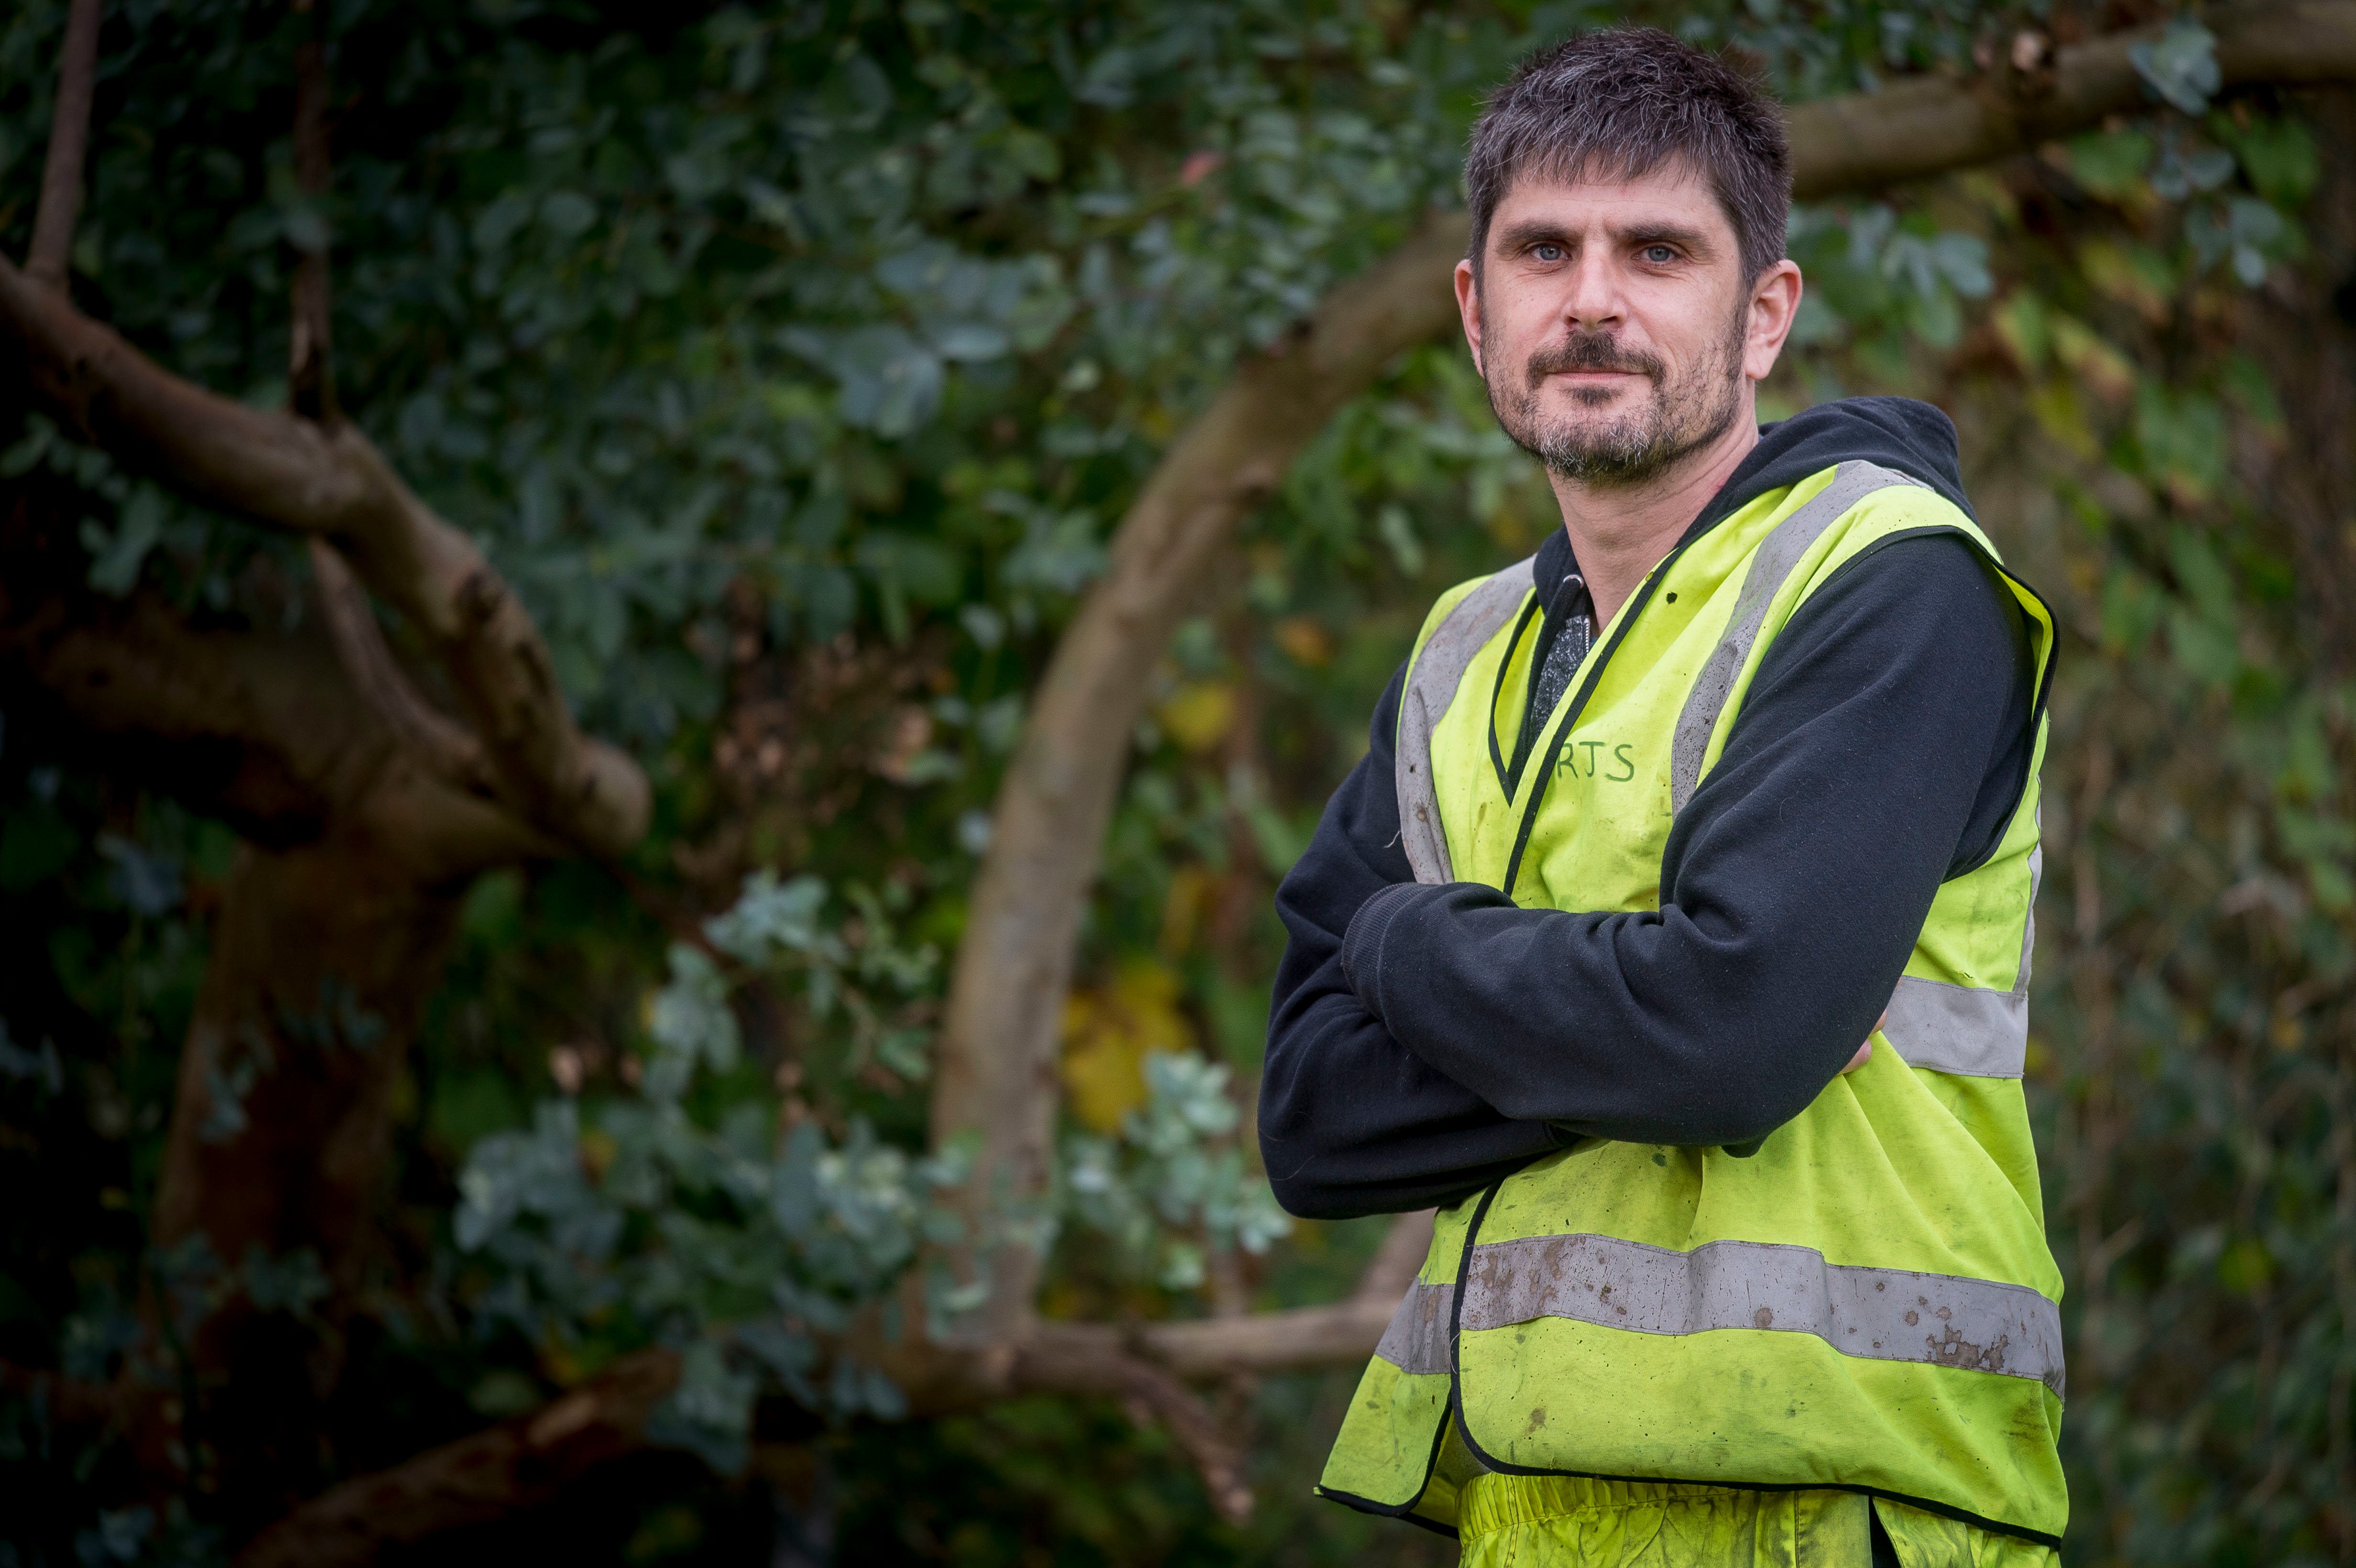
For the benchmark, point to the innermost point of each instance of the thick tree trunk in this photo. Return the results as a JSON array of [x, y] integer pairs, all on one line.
[[329, 938], [322, 957], [2307, 335]]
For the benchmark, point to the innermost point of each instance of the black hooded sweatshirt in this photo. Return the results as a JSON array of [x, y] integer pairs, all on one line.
[[1425, 1041]]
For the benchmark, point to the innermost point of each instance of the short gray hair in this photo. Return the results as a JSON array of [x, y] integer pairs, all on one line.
[[1619, 103]]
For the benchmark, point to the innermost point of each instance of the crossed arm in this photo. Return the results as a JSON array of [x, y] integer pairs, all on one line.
[[1425, 1040]]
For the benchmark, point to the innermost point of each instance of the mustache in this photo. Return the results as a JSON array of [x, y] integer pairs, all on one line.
[[1592, 351]]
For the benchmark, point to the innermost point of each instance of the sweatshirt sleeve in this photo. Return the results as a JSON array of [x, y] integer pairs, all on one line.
[[1351, 1121], [1886, 727]]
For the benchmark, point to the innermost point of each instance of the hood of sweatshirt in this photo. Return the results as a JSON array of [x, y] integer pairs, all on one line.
[[1915, 438]]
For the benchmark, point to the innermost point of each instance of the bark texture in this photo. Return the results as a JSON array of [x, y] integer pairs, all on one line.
[[485, 1476], [280, 1143], [61, 183]]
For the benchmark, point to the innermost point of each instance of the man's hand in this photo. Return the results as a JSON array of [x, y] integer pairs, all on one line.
[[1864, 1052]]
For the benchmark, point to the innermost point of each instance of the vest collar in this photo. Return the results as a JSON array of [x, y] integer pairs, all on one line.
[[1915, 438]]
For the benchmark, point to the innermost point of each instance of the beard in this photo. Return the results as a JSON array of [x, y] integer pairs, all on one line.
[[1679, 418]]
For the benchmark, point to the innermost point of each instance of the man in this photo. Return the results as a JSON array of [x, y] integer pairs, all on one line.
[[1652, 830]]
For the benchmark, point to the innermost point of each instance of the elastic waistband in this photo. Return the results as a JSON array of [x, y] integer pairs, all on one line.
[[1501, 1502]]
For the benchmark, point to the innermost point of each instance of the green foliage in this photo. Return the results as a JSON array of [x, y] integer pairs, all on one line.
[[821, 345], [712, 1234]]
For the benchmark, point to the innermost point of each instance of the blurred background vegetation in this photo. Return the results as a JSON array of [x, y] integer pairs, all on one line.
[[793, 362]]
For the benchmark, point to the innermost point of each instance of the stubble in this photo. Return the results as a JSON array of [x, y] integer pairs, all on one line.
[[1674, 419]]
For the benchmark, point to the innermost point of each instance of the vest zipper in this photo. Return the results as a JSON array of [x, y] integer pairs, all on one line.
[[1497, 692], [1596, 661]]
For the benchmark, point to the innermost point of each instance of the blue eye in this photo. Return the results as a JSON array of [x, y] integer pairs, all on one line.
[[1659, 255], [1547, 253]]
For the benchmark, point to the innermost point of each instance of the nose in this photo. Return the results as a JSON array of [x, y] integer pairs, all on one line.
[[1592, 300]]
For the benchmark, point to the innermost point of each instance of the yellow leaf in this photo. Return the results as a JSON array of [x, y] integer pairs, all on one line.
[[2246, 1267], [2134, 276], [1108, 1031], [2020, 325], [1305, 639], [1200, 714], [1190, 894], [562, 1365], [597, 1151], [2056, 404], [2098, 366]]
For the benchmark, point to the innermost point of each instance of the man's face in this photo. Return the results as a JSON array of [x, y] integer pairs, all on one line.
[[1613, 323]]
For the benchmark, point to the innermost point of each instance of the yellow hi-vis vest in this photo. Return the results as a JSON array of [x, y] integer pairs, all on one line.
[[1863, 1302]]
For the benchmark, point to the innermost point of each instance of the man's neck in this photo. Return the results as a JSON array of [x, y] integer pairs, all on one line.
[[1620, 533]]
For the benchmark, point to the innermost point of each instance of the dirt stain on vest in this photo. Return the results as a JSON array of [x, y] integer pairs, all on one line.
[[1954, 1351]]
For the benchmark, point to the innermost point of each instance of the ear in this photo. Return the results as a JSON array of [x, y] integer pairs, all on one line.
[[1468, 305], [1774, 305]]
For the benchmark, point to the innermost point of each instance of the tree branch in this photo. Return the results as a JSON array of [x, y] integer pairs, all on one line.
[[311, 386], [61, 174], [1150, 1394], [262, 728], [287, 472], [997, 1058], [1146, 1366], [1918, 129], [485, 1476], [996, 1073], [1207, 1348], [1398, 1260], [446, 749]]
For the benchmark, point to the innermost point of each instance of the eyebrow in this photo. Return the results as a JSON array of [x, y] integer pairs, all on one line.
[[1538, 230]]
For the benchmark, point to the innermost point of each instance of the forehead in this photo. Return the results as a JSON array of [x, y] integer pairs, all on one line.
[[1675, 194]]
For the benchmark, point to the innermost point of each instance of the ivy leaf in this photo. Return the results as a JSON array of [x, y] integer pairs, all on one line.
[[118, 555], [690, 1021], [497, 223], [2181, 65], [970, 341], [891, 383], [568, 214], [767, 915], [148, 884]]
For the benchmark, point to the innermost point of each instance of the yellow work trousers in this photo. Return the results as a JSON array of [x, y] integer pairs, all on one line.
[[1534, 1521]]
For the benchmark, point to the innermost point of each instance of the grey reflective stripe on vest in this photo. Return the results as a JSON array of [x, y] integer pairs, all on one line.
[[1431, 688], [1770, 565], [1888, 1315], [1963, 1028], [1417, 1341]]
